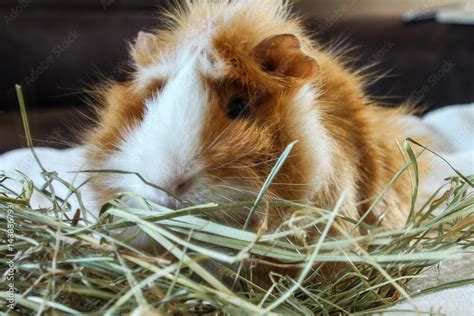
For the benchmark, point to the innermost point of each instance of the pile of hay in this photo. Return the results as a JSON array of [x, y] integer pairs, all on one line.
[[62, 264]]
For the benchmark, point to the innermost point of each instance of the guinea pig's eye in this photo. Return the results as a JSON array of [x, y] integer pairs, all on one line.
[[238, 107]]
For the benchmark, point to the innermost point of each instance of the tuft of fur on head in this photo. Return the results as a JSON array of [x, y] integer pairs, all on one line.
[[170, 122]]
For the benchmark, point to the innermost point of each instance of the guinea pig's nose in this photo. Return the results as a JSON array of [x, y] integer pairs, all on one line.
[[182, 185]]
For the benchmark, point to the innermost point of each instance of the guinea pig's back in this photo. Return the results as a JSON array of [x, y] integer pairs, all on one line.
[[368, 141]]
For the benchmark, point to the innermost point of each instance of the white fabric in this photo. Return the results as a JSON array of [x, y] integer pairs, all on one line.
[[452, 129], [64, 162], [452, 302]]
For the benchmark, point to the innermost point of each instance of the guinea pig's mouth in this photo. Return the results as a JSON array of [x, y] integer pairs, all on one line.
[[162, 198], [169, 202]]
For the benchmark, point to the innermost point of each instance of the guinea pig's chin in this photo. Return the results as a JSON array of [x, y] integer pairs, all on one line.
[[168, 202]]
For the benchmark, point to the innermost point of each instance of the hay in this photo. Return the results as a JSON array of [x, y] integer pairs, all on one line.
[[66, 265]]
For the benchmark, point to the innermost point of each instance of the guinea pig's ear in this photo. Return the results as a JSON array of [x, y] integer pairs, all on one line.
[[282, 54], [143, 49]]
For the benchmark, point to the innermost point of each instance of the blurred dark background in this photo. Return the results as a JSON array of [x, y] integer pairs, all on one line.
[[56, 48]]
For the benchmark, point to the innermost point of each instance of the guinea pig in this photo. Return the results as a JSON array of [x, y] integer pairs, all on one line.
[[215, 97]]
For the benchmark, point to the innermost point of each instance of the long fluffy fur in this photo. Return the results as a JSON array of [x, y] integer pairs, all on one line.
[[346, 142]]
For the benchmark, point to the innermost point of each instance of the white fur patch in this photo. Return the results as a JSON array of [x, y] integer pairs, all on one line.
[[311, 134], [164, 146]]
